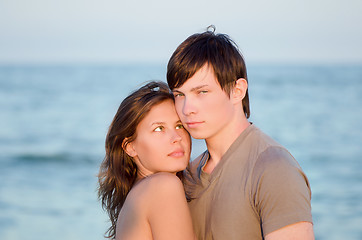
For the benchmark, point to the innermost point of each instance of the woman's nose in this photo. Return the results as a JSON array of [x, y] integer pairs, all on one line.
[[175, 137]]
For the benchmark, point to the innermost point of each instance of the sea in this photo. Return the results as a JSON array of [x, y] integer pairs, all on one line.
[[54, 119]]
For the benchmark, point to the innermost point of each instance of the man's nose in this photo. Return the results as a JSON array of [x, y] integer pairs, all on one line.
[[188, 107]]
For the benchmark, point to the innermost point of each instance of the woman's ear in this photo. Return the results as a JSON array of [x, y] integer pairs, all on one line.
[[239, 90], [129, 148]]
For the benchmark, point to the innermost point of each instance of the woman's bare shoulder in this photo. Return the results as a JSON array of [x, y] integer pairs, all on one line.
[[168, 213], [158, 183], [163, 183], [163, 176], [157, 186]]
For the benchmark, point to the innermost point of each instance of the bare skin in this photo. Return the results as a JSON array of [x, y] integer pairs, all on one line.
[[297, 231], [209, 113], [155, 208]]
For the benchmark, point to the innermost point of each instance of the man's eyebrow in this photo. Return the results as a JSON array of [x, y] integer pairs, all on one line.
[[192, 89], [198, 87]]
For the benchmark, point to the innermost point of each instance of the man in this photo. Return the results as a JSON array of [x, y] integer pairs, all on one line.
[[245, 186]]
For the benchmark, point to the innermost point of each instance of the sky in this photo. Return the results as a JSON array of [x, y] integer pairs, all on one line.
[[125, 31]]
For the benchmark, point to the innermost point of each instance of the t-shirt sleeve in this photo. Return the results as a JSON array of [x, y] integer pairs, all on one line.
[[281, 191]]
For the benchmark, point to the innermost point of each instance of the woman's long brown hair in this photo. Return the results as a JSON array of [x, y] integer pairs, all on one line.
[[118, 171]]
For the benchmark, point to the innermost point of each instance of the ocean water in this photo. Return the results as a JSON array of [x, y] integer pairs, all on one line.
[[53, 122]]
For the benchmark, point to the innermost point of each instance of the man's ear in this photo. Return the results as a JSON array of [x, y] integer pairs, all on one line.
[[239, 90], [129, 148]]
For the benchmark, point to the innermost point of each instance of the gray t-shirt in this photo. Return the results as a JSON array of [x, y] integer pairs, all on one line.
[[257, 187]]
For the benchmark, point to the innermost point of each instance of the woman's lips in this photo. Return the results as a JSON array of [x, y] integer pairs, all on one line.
[[177, 153]]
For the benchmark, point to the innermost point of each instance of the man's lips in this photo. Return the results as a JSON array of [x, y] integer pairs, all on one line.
[[193, 124]]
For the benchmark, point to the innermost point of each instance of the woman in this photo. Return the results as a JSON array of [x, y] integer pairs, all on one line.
[[146, 146]]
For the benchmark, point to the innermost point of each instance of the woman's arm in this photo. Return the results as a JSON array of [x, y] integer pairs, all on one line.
[[168, 214]]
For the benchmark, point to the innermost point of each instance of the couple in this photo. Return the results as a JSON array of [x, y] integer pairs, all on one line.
[[244, 186]]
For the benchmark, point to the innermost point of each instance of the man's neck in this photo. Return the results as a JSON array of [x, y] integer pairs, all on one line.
[[220, 143]]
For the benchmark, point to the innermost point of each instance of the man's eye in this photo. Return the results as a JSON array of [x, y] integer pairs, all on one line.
[[179, 126], [158, 129], [203, 92], [178, 95]]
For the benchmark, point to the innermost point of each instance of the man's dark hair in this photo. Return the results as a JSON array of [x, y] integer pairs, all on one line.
[[218, 51]]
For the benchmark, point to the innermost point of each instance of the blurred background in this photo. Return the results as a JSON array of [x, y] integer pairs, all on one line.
[[65, 66]]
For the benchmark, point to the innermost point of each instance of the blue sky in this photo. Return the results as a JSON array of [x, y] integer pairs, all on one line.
[[118, 31]]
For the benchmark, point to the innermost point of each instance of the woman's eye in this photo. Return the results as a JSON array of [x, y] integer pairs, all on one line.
[[158, 129], [180, 126], [203, 92]]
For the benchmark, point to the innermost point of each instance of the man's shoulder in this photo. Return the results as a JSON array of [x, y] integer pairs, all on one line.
[[256, 148], [258, 136], [270, 152], [269, 149], [252, 142]]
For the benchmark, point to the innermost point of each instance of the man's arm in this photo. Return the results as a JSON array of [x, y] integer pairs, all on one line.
[[297, 231], [282, 196]]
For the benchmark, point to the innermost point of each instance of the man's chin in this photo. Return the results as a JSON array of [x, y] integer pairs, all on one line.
[[197, 136]]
